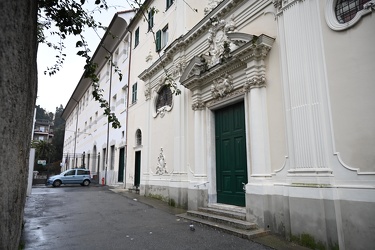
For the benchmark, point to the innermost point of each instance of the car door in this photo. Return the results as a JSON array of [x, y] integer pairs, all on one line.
[[81, 175], [69, 177]]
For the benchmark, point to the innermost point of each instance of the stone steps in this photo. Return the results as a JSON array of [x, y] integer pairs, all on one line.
[[229, 219]]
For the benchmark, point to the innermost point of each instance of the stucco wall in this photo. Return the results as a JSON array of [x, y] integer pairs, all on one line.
[[349, 56], [326, 220]]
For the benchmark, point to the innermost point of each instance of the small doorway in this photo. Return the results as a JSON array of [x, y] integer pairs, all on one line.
[[121, 165], [137, 169], [231, 167]]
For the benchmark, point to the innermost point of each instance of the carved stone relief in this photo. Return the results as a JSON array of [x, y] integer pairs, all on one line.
[[178, 69], [218, 40], [222, 86], [161, 164], [211, 5], [255, 82], [199, 105]]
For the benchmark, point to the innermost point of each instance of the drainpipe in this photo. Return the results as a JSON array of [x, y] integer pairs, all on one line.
[[127, 107], [75, 136], [109, 105]]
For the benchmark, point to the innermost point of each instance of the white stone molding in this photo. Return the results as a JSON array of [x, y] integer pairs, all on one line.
[[211, 5], [149, 57], [179, 68], [161, 164], [331, 18], [222, 86], [148, 92], [198, 105], [164, 80], [281, 5], [255, 82]]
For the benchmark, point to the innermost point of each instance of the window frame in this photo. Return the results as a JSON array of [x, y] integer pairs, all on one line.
[[134, 92], [169, 3], [136, 37], [334, 24], [150, 21], [165, 108], [161, 38]]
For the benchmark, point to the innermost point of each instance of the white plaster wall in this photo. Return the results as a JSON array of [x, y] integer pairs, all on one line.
[[350, 63]]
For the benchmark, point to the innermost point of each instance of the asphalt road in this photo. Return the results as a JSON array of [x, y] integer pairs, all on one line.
[[94, 217]]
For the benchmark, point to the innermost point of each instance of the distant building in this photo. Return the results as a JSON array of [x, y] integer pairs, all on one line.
[[90, 141], [43, 130]]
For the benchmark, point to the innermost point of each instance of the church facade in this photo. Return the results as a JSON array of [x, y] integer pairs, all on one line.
[[270, 117]]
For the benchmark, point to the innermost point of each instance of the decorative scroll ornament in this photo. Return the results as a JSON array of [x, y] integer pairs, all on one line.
[[161, 111], [148, 92], [277, 4], [149, 57], [222, 86], [161, 165], [255, 82], [179, 68], [199, 105], [211, 5]]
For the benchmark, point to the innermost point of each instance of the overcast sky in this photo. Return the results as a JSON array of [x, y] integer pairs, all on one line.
[[56, 90]]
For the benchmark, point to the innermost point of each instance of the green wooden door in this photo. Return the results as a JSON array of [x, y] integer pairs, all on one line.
[[121, 165], [231, 169]]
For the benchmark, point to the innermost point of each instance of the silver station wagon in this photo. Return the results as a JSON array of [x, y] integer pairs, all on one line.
[[71, 176]]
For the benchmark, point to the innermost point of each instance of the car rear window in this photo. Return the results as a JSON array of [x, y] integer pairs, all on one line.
[[83, 172]]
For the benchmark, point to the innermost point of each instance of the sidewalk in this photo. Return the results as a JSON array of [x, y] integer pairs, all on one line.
[[272, 241]]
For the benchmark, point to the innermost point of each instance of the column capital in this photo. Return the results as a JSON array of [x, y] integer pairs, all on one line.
[[255, 82], [198, 105]]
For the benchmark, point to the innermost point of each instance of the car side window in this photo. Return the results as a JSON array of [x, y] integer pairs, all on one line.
[[71, 172], [81, 172]]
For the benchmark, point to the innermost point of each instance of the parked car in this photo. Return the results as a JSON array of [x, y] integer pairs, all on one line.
[[71, 176]]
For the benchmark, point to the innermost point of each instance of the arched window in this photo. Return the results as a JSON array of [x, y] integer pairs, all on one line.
[[138, 137], [347, 9], [164, 97]]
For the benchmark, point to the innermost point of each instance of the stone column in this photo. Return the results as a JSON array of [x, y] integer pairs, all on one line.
[[258, 126]]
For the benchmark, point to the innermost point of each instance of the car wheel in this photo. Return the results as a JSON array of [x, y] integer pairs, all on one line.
[[86, 182], [57, 183]]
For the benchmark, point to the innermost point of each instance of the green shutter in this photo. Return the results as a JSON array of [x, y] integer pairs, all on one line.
[[158, 40]]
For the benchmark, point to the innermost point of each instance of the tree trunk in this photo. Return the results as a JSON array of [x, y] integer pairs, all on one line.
[[18, 89]]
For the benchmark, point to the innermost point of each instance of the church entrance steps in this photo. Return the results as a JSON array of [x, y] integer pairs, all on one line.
[[229, 219]]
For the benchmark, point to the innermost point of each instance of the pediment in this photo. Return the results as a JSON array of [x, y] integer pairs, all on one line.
[[242, 48], [194, 68]]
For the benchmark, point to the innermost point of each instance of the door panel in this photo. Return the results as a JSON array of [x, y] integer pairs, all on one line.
[[231, 168], [137, 170], [121, 165]]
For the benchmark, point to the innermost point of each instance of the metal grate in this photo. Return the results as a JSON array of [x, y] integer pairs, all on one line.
[[347, 9]]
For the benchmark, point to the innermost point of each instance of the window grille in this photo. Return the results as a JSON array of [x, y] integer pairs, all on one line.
[[347, 9], [138, 137]]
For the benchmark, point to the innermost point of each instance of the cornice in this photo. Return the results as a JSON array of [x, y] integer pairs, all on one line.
[[256, 49]]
